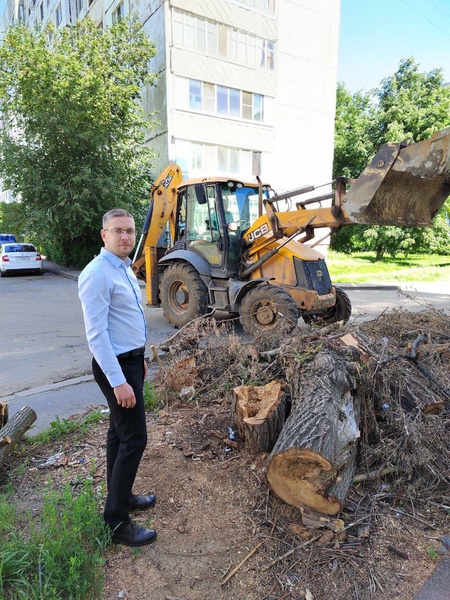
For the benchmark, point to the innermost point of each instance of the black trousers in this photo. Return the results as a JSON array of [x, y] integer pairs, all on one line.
[[126, 439]]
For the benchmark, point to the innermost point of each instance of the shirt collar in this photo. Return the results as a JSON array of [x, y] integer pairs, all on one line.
[[115, 260]]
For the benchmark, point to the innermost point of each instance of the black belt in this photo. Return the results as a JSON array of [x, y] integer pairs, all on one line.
[[130, 353]]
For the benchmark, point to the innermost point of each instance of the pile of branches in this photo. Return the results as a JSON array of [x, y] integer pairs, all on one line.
[[403, 385], [403, 460], [406, 401]]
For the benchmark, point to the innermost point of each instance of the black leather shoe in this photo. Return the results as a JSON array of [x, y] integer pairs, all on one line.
[[133, 535], [142, 502]]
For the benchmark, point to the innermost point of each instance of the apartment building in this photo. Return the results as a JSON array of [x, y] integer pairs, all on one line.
[[245, 87]]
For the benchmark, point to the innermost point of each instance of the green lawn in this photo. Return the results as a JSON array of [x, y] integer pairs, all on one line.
[[362, 268]]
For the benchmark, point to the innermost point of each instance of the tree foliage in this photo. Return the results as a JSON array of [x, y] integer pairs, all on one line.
[[12, 219], [354, 121], [72, 145], [409, 104]]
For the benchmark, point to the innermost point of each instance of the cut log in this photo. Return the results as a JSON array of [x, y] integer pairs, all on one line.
[[260, 413], [15, 429], [312, 464], [3, 414]]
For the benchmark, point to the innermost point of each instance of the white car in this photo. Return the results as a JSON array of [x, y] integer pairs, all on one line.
[[20, 257]]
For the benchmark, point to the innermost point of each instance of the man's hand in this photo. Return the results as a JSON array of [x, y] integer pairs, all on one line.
[[125, 395]]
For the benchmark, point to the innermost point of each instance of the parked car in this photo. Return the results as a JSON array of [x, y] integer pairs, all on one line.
[[20, 257], [7, 237]]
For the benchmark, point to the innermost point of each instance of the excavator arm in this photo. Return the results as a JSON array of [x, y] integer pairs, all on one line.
[[405, 185], [162, 211]]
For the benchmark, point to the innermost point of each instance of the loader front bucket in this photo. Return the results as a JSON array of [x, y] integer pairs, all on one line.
[[404, 185]]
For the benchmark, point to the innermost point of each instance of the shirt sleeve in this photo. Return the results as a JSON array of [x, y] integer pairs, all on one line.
[[94, 291]]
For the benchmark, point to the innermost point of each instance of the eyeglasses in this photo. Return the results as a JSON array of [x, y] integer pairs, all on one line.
[[119, 231]]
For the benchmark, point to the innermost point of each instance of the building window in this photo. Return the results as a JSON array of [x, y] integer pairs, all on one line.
[[195, 94], [221, 159], [118, 13], [267, 55], [79, 6], [221, 40], [256, 163], [41, 11], [258, 107], [225, 101], [247, 105], [58, 15], [195, 32], [208, 97], [263, 5]]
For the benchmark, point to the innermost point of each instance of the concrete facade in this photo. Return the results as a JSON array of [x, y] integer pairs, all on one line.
[[245, 87]]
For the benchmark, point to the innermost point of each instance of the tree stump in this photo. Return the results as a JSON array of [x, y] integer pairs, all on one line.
[[312, 464], [260, 413], [14, 430]]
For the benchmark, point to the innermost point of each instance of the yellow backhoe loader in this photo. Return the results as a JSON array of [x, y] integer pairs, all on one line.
[[230, 247]]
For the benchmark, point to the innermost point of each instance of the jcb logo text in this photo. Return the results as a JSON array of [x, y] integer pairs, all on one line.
[[254, 235], [168, 179]]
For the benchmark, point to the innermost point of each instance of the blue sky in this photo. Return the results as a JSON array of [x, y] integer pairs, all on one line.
[[376, 34]]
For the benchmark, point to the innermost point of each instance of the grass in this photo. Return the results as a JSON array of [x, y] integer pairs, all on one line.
[[152, 400], [362, 268], [63, 427], [56, 554]]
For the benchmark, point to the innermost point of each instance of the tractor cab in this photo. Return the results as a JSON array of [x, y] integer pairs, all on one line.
[[212, 217]]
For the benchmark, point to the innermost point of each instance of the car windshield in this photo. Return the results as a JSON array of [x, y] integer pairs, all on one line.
[[20, 248]]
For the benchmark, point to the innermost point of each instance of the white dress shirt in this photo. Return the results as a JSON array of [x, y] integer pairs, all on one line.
[[112, 309]]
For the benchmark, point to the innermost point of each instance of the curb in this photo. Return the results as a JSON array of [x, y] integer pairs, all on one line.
[[48, 388], [366, 286], [61, 271]]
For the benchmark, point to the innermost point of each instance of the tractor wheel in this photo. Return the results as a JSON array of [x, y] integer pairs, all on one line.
[[341, 311], [266, 308], [183, 294]]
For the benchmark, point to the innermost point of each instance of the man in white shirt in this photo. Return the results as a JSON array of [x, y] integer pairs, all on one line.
[[116, 332]]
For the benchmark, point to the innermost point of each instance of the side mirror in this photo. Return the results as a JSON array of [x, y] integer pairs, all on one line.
[[200, 193]]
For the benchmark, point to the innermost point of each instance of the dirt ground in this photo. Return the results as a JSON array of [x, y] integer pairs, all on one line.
[[223, 536], [214, 512]]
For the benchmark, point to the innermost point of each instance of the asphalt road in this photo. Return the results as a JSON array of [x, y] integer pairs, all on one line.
[[45, 361], [42, 332]]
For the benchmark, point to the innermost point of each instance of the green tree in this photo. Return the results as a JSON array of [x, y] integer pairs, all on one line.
[[72, 145], [409, 104], [12, 219], [353, 148], [354, 121]]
